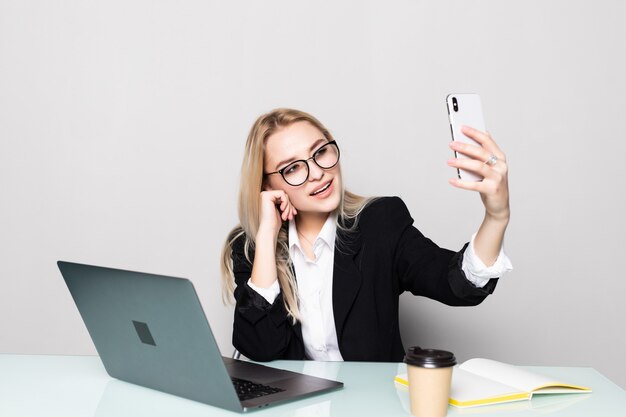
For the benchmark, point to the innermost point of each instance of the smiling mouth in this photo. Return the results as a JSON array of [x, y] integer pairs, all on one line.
[[324, 188]]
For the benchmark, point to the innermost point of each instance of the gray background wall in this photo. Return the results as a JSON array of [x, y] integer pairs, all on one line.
[[122, 126]]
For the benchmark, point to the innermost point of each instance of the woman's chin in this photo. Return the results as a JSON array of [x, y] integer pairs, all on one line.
[[325, 206]]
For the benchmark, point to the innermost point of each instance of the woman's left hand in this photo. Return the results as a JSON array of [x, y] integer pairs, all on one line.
[[494, 188]]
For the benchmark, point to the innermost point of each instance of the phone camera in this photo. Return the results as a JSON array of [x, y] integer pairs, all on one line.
[[455, 104]]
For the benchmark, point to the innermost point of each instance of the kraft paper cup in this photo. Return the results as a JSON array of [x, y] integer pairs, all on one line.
[[430, 375]]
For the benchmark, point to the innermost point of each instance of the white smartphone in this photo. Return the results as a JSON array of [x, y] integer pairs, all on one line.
[[465, 110]]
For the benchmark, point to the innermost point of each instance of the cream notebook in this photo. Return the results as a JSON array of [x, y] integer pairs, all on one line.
[[485, 381]]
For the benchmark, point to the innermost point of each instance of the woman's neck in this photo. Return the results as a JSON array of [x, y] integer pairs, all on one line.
[[310, 224]]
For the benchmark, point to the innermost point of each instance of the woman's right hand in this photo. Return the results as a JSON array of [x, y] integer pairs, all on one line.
[[275, 209]]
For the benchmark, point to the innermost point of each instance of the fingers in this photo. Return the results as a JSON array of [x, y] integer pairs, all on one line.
[[493, 189], [466, 185], [476, 156], [485, 187], [494, 186], [486, 141], [474, 160], [472, 152], [495, 172], [288, 211], [280, 200]]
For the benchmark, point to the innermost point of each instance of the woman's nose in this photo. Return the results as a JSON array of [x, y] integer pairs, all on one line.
[[315, 172]]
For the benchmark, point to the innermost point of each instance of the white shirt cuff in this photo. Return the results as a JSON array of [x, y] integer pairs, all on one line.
[[270, 293], [477, 272]]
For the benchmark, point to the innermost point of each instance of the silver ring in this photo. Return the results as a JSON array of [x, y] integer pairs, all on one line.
[[491, 161]]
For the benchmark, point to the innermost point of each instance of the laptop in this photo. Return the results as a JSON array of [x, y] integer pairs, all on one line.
[[151, 330]]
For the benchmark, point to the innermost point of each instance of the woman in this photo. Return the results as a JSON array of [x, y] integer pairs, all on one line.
[[352, 256]]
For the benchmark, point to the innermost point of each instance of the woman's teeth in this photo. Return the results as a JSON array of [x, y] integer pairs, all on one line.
[[321, 189]]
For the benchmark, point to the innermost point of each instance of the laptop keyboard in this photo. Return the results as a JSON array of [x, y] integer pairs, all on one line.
[[247, 389]]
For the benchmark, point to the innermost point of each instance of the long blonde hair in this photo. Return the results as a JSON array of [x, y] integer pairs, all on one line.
[[250, 189]]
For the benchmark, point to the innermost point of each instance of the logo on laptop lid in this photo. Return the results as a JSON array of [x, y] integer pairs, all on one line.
[[144, 333]]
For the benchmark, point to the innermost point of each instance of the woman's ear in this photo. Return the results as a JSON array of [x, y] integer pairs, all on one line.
[[265, 186]]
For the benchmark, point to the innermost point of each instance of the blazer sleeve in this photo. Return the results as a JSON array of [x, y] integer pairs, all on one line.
[[261, 331], [425, 269]]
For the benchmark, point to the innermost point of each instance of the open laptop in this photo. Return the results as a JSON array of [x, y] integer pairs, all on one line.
[[151, 330]]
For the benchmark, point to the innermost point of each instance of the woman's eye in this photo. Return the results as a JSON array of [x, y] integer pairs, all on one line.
[[292, 169], [321, 151]]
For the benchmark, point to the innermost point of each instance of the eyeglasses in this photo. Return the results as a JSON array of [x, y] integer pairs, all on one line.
[[297, 172]]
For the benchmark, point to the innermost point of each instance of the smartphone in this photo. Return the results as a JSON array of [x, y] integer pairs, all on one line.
[[465, 110]]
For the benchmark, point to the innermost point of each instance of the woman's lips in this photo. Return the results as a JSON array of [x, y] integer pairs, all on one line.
[[326, 190]]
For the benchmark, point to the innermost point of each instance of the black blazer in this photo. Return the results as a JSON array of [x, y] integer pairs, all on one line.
[[384, 257]]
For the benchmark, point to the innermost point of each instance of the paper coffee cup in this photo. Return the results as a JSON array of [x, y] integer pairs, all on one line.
[[430, 375]]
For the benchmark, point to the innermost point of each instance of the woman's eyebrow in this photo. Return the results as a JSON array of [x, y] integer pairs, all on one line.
[[311, 149]]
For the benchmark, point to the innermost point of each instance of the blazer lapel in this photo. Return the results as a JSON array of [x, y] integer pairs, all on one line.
[[346, 277]]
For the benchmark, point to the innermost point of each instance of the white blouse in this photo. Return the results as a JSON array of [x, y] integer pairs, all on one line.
[[315, 289]]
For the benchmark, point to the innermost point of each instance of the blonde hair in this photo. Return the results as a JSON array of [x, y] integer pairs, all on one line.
[[250, 189]]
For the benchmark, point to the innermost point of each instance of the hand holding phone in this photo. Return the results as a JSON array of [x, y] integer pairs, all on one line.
[[481, 164], [465, 110]]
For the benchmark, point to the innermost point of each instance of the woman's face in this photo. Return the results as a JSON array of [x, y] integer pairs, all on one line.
[[300, 140]]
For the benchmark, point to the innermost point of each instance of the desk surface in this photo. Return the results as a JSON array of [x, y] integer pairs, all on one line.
[[32, 385]]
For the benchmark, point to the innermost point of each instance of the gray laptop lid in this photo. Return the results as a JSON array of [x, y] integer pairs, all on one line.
[[151, 330]]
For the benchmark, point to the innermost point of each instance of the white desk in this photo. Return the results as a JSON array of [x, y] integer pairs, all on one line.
[[69, 386]]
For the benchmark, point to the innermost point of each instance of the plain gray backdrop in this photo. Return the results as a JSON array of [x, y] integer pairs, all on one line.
[[122, 127]]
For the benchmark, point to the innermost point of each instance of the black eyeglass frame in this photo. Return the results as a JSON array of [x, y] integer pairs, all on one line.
[[306, 162]]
